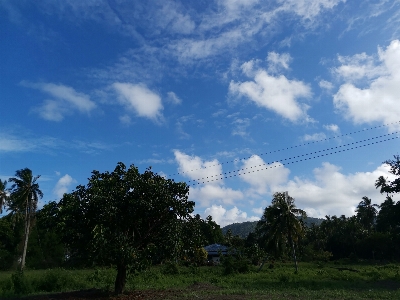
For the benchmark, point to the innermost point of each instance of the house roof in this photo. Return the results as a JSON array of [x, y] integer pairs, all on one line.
[[214, 249]]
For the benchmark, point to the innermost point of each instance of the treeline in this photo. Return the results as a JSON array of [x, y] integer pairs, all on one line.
[[131, 220]]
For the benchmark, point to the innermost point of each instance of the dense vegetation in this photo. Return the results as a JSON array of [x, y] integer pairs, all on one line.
[[133, 222]]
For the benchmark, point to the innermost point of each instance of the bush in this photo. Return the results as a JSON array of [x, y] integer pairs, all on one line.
[[21, 285], [232, 265], [170, 268], [54, 280]]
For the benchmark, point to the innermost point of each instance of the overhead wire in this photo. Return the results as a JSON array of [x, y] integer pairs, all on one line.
[[287, 148], [234, 173]]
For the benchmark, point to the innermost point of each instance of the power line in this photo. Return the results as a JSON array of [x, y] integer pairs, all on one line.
[[230, 174], [292, 147]]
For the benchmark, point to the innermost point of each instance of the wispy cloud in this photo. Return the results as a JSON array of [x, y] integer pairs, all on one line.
[[10, 141], [65, 101]]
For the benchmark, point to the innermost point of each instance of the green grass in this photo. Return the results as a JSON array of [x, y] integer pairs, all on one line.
[[312, 281]]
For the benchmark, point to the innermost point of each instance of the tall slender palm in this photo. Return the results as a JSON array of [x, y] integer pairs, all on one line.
[[366, 213], [3, 195], [283, 224], [24, 197]]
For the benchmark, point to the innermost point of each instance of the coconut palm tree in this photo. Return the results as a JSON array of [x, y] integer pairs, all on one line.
[[283, 224], [3, 195], [24, 196], [366, 213]]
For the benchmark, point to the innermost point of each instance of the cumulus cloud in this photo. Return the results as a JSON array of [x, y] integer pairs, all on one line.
[[140, 99], [208, 194], [65, 100], [261, 177], [275, 93], [331, 192], [223, 216], [194, 168], [376, 98], [63, 185], [212, 189]]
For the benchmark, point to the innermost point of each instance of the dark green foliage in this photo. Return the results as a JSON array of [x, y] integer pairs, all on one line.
[[235, 264], [366, 213], [22, 202], [387, 186], [125, 218], [21, 285], [170, 268], [240, 229], [281, 225]]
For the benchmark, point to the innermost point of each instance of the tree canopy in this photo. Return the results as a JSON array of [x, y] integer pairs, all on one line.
[[122, 217]]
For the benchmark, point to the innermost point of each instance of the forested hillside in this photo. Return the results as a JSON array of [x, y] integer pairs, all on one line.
[[243, 229]]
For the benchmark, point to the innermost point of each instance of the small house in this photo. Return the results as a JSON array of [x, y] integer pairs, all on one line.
[[214, 251]]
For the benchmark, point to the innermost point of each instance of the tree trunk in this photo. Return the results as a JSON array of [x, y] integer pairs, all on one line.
[[27, 227], [120, 280], [294, 253]]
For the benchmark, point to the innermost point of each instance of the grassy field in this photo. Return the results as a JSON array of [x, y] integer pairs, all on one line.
[[317, 281]]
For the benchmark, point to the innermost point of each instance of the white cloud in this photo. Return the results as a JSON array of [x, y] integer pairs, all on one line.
[[262, 177], [223, 216], [331, 192], [332, 127], [258, 211], [173, 98], [140, 99], [278, 94], [208, 174], [194, 168], [66, 101], [308, 9], [326, 85], [278, 61], [234, 5], [63, 185], [378, 98], [10, 142], [209, 193], [314, 137]]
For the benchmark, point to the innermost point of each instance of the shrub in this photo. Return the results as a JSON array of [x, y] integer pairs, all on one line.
[[54, 280], [170, 268], [233, 265], [20, 283]]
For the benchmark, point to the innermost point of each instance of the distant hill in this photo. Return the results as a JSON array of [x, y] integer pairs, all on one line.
[[243, 229]]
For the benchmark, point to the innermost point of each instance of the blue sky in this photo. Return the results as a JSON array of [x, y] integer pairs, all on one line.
[[201, 88]]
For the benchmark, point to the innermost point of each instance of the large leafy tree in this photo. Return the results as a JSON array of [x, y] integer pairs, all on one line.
[[23, 200], [123, 217], [281, 225]]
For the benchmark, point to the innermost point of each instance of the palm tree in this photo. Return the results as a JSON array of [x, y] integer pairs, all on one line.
[[366, 213], [24, 197], [3, 195], [282, 221]]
